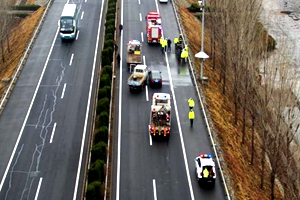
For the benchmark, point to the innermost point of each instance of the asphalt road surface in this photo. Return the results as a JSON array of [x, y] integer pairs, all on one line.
[[44, 129], [146, 169]]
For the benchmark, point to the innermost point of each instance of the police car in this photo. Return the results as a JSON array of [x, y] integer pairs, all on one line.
[[205, 169]]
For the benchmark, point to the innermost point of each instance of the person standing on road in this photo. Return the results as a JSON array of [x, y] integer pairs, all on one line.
[[165, 44], [162, 45], [169, 44], [118, 58], [120, 29], [175, 42], [191, 103], [191, 117]]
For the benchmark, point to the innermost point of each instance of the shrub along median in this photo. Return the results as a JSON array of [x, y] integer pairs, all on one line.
[[97, 170]]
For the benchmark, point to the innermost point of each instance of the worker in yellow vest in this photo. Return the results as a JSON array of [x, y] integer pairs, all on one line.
[[191, 103], [205, 173], [175, 42], [161, 41], [165, 44], [191, 117]]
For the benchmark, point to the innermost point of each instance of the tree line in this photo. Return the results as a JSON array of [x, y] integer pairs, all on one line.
[[262, 86]]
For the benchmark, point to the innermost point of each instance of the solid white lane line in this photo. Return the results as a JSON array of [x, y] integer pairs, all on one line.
[[154, 190], [120, 113], [140, 17], [71, 60], [28, 112], [52, 134], [82, 14], [63, 91], [142, 36], [88, 107], [147, 98], [144, 60], [77, 35], [38, 189]]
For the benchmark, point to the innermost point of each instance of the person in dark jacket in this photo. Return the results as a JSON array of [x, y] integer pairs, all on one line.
[[120, 29], [169, 44]]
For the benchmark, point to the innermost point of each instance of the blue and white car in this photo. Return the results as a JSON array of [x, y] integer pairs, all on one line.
[[202, 162]]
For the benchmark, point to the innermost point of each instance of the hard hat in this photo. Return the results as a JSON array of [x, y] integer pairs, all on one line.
[[134, 76]]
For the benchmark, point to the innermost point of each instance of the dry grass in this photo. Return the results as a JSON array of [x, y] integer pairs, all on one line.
[[245, 178], [18, 41]]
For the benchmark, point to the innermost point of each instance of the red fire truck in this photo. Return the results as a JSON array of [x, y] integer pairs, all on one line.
[[153, 27]]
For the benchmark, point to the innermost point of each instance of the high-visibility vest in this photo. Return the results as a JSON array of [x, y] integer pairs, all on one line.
[[185, 54], [205, 173], [191, 115], [182, 54], [161, 41], [186, 48], [191, 103], [175, 40], [165, 42]]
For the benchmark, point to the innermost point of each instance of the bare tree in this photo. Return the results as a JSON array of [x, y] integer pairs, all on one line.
[[5, 21]]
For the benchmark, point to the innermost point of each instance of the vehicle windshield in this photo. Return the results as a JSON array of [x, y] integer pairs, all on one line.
[[156, 75], [164, 101], [66, 25]]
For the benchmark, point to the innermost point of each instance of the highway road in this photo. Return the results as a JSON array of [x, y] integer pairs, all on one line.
[[146, 169], [45, 126]]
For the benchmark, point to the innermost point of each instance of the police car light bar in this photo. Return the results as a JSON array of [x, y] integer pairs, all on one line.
[[205, 155]]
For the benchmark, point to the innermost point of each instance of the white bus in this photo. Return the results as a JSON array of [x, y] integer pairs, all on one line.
[[68, 23]]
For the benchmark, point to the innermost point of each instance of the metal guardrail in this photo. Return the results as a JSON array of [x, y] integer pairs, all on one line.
[[203, 108], [22, 62]]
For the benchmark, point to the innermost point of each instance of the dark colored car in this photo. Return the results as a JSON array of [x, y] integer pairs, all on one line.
[[155, 79]]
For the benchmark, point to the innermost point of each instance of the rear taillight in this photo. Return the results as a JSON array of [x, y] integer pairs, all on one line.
[[152, 80], [160, 80]]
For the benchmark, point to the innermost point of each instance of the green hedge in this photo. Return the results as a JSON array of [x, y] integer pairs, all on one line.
[[107, 70], [110, 22], [103, 105], [21, 15], [104, 80], [93, 191], [110, 16], [32, 7], [106, 57], [108, 44], [103, 119], [101, 135], [111, 10], [96, 171], [104, 92], [98, 152], [110, 28], [109, 36]]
